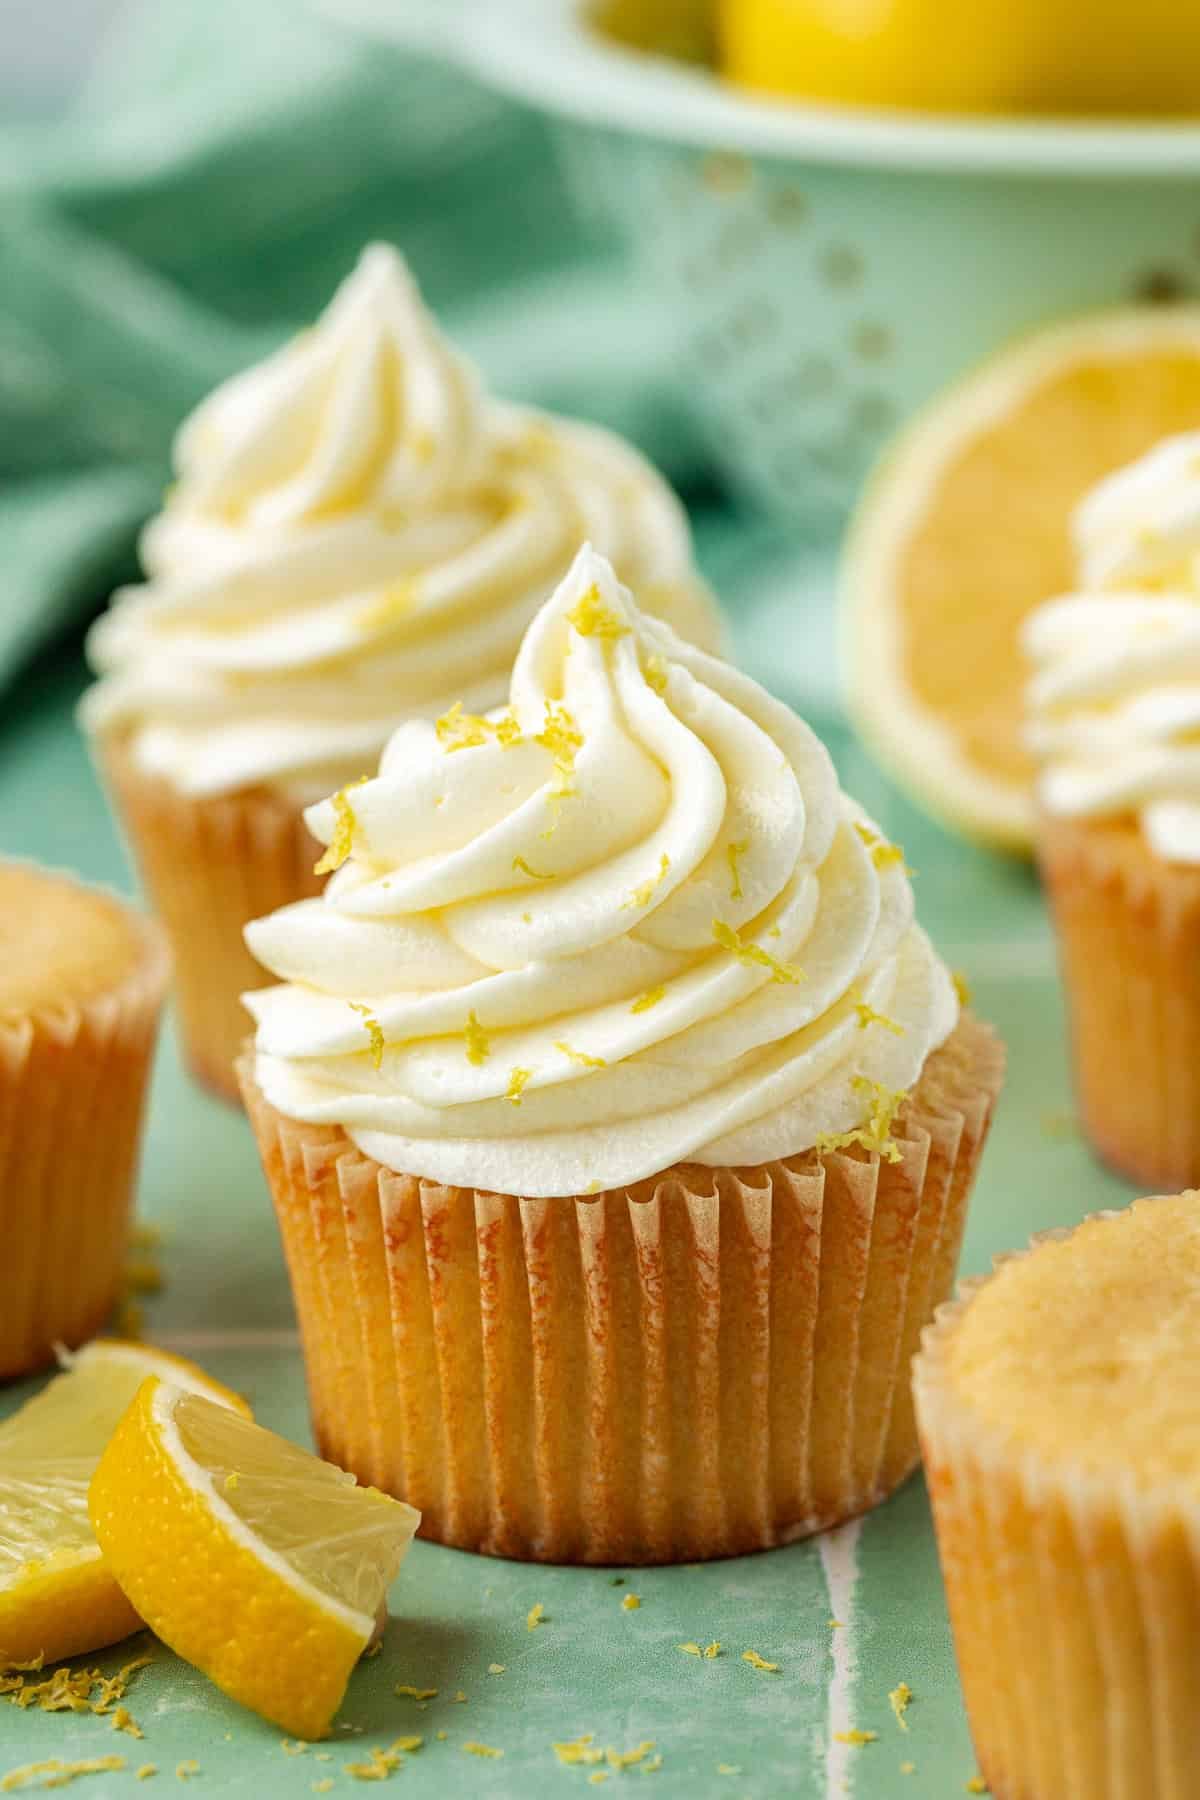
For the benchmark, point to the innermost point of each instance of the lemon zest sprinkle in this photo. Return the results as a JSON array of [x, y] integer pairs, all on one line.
[[478, 1048], [597, 1777], [655, 671], [581, 1057], [497, 1668], [60, 1772], [293, 1746], [650, 998], [474, 1749], [374, 1030], [232, 1480], [882, 853], [516, 1086], [578, 1750], [460, 1699], [631, 1602], [562, 738], [835, 1624], [732, 853], [523, 868], [855, 1737], [962, 987], [690, 1649], [535, 1616], [655, 1762], [590, 617], [323, 1786], [713, 1649], [643, 894], [628, 1759], [752, 954], [414, 1693], [976, 1785], [123, 1720], [899, 1700], [729, 1769], [341, 844], [868, 1016], [186, 1769], [908, 1768], [145, 1771], [760, 1662], [875, 1133]]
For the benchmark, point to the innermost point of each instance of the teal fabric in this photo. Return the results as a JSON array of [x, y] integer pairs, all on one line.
[[200, 199]]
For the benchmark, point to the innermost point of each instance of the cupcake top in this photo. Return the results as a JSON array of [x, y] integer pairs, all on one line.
[[359, 534], [628, 921], [60, 943], [1079, 1351], [1114, 702]]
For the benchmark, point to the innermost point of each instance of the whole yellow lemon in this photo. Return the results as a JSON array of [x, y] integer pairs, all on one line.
[[984, 56]]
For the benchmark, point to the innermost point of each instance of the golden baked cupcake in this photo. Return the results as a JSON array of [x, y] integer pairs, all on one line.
[[1114, 721], [1057, 1409], [81, 986], [358, 535], [619, 1120]]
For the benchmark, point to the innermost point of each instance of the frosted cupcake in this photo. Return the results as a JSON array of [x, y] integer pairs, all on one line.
[[1057, 1409], [81, 987], [358, 535], [619, 1120], [1114, 720]]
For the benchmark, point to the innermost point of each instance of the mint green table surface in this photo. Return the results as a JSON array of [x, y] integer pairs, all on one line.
[[721, 1727]]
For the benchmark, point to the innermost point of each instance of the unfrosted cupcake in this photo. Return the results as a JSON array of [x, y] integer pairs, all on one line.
[[1114, 720], [358, 535], [81, 986], [1061, 1436], [619, 1120]]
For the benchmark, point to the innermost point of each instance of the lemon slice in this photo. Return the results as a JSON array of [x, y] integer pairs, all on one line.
[[966, 527], [56, 1596], [252, 1559]]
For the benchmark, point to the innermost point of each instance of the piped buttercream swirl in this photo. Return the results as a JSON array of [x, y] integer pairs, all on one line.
[[627, 922], [359, 534]]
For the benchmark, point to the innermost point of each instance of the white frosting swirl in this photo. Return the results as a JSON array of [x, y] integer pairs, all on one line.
[[631, 922], [359, 535], [1114, 702]]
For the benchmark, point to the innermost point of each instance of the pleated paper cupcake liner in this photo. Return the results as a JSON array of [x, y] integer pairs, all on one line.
[[72, 1087], [712, 1362], [1075, 1605], [210, 865], [1128, 927]]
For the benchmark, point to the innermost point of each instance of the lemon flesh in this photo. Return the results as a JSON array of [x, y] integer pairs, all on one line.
[[994, 56], [57, 1599], [254, 1560]]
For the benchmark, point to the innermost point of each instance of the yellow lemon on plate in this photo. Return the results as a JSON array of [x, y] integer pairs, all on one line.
[[254, 1560], [967, 526], [57, 1598], [989, 56]]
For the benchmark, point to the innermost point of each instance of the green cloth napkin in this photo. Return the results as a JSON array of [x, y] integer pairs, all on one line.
[[202, 198]]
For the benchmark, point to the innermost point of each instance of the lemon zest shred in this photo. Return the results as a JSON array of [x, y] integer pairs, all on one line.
[[645, 892], [497, 1668], [324, 1786], [474, 1749], [374, 1030], [760, 1662], [628, 1759], [516, 1085], [655, 1762], [590, 617], [753, 954], [123, 1720], [478, 1048], [597, 1777], [535, 1616], [562, 738], [145, 1771], [962, 987], [875, 1133], [867, 1016], [855, 1737], [732, 854], [713, 1649], [60, 1772], [414, 1693], [883, 854], [729, 1769], [460, 1698], [908, 1768], [523, 868], [232, 1480], [578, 1750], [690, 1649], [976, 1785], [899, 1700], [581, 1057], [186, 1769], [655, 672], [631, 1602], [341, 844], [650, 998]]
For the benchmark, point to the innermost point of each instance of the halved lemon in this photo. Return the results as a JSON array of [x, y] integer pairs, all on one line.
[[255, 1561], [57, 1598], [966, 527]]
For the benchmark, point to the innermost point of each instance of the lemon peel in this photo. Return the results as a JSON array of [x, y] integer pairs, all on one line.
[[341, 844], [753, 954], [733, 852], [374, 1030], [650, 998], [478, 1048], [590, 617], [645, 892]]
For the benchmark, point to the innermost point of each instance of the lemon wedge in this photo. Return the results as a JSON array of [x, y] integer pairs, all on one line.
[[255, 1561], [967, 526], [56, 1596]]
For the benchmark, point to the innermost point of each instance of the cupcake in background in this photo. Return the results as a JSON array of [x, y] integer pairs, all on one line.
[[82, 979], [358, 535], [1114, 722], [1056, 1402], [619, 1120]]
